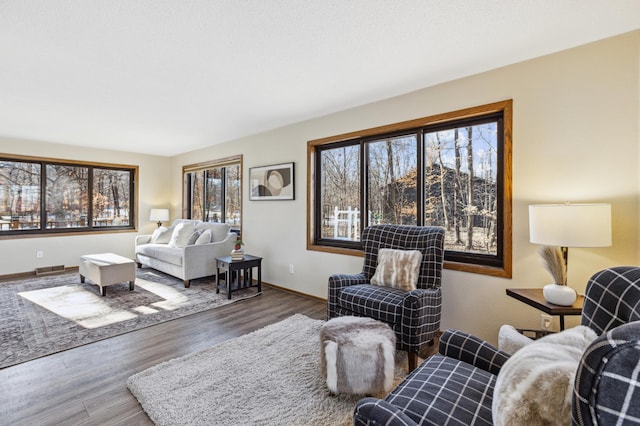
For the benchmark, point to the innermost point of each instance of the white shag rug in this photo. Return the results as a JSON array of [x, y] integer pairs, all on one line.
[[268, 377]]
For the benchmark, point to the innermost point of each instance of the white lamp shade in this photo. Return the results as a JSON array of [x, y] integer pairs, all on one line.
[[159, 215], [570, 225]]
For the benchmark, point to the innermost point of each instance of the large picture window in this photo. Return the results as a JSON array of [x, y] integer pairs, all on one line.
[[47, 196], [212, 191], [451, 170]]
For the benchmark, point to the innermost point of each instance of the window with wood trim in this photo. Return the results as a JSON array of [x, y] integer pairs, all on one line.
[[57, 196], [213, 191], [451, 170]]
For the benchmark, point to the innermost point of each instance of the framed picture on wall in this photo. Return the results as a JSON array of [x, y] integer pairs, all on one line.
[[272, 182]]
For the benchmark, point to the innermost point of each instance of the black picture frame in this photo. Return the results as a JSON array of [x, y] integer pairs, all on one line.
[[272, 183]]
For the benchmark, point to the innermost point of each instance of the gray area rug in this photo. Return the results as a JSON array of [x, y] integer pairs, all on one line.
[[268, 377], [45, 315]]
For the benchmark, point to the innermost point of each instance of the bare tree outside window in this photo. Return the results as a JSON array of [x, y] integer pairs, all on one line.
[[461, 181], [111, 195], [391, 179], [213, 192], [451, 170], [340, 193], [213, 195], [233, 201], [66, 196], [45, 196], [19, 195]]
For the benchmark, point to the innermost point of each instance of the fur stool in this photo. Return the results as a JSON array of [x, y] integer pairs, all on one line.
[[357, 355]]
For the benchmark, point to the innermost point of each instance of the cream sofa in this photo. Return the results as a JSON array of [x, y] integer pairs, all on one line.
[[187, 249]]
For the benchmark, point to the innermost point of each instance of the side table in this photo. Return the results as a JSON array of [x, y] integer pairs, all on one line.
[[534, 297], [233, 269]]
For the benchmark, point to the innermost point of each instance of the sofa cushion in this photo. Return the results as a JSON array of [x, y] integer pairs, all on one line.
[[204, 238], [444, 390], [181, 234], [535, 384], [381, 303], [194, 237], [162, 235], [397, 268], [161, 252], [219, 231]]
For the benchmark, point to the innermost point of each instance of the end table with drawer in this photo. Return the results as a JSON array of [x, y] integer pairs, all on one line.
[[233, 268]]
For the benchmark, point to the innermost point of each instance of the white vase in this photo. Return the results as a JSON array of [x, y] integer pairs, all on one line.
[[559, 294]]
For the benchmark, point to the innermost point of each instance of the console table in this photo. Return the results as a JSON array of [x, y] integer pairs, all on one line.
[[233, 269], [534, 297]]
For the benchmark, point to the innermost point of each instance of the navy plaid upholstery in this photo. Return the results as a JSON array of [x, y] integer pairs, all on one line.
[[456, 386], [607, 386], [472, 350], [612, 298], [414, 315]]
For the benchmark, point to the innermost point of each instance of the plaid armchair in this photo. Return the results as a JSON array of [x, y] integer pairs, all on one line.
[[414, 316], [456, 386]]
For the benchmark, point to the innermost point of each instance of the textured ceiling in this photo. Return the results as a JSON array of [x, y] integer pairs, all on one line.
[[170, 76]]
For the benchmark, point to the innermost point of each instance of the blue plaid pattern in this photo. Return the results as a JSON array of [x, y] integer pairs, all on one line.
[[456, 386], [612, 298], [443, 391], [607, 386], [472, 350], [414, 315]]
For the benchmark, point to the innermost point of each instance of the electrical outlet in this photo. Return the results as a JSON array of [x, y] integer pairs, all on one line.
[[39, 254], [545, 321], [291, 270]]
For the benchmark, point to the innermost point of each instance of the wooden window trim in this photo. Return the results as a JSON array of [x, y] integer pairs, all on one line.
[[506, 107], [102, 230]]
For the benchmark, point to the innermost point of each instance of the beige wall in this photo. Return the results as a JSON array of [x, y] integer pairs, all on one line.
[[19, 255], [576, 137]]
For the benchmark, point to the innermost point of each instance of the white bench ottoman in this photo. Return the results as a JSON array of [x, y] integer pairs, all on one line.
[[106, 269], [357, 355]]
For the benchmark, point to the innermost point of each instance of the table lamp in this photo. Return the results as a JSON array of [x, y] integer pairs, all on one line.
[[160, 215], [560, 226]]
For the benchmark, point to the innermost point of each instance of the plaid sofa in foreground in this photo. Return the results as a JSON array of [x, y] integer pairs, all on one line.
[[456, 386]]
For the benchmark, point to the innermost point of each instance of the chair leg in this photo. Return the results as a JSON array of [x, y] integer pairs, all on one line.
[[413, 361]]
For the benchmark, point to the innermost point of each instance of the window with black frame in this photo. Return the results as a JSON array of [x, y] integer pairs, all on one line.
[[213, 192], [47, 196], [453, 173]]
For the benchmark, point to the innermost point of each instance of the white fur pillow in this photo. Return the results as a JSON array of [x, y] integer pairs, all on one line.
[[181, 234], [534, 386], [162, 235], [398, 269]]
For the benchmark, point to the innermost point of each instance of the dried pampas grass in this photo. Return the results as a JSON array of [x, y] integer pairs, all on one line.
[[554, 263]]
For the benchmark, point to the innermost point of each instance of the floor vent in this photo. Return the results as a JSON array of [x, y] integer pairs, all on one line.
[[49, 269]]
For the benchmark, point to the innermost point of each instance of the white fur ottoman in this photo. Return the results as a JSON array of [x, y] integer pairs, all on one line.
[[357, 355]]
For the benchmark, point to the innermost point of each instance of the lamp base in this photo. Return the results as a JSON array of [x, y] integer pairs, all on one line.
[[559, 294]]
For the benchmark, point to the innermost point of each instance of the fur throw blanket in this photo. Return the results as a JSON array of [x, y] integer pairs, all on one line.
[[535, 385]]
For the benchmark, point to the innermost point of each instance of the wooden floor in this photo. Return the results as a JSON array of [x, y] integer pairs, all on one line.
[[87, 385]]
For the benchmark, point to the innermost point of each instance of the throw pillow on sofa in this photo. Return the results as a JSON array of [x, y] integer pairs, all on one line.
[[535, 385], [181, 234], [204, 238], [162, 235]]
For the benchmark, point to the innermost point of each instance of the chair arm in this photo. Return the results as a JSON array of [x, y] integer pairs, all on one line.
[[421, 309], [336, 283], [374, 411], [143, 239], [472, 350], [606, 381]]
